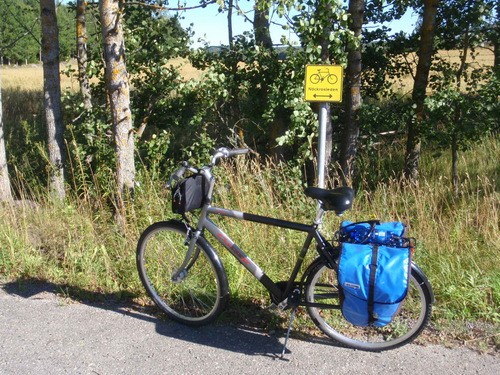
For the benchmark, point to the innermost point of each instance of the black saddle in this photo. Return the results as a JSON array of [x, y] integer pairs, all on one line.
[[338, 199]]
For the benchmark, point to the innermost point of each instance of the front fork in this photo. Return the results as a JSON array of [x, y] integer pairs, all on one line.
[[191, 255]]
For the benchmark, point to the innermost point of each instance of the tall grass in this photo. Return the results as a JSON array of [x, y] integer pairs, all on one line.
[[77, 244]]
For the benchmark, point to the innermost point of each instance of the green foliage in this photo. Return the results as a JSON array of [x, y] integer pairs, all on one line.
[[458, 17], [320, 21], [464, 104], [387, 10], [67, 31], [249, 94], [152, 40], [19, 31], [382, 125], [245, 92], [387, 59], [467, 116]]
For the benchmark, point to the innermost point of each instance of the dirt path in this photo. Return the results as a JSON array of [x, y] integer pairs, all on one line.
[[42, 334]]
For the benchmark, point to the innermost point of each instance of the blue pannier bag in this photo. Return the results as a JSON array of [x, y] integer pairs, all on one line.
[[373, 276]]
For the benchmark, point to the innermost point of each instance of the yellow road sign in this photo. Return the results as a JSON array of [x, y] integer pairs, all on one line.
[[323, 83]]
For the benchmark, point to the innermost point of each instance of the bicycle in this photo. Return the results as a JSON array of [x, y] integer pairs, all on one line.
[[322, 75], [186, 279]]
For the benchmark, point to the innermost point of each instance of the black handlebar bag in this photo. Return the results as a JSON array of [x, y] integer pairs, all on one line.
[[189, 194]]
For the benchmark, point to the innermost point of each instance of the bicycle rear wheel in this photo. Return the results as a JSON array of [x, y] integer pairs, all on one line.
[[198, 298], [321, 287]]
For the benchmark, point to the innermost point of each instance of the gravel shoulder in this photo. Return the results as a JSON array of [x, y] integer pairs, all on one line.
[[42, 333]]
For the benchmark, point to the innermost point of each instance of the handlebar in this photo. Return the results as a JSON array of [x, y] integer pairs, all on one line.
[[221, 152], [224, 152]]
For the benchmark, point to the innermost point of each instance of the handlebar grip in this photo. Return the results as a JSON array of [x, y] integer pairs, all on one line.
[[237, 151], [177, 175]]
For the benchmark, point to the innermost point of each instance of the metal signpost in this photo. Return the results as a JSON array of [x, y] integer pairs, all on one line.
[[323, 84]]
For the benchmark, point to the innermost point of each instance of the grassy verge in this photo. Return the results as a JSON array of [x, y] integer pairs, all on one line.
[[78, 245]]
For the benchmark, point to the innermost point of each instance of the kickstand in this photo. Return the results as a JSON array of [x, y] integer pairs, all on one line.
[[288, 332]]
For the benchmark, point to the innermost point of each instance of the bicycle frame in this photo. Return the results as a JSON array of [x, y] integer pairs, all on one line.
[[279, 294], [204, 222]]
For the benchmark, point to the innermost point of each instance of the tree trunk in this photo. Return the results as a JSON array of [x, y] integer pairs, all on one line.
[[425, 53], [458, 113], [119, 98], [261, 25], [81, 49], [454, 162], [349, 146], [496, 42], [52, 96], [230, 23], [496, 67], [263, 39], [234, 105], [5, 192]]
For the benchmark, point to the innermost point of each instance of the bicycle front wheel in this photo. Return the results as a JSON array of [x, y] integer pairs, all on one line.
[[315, 78], [321, 288], [197, 298]]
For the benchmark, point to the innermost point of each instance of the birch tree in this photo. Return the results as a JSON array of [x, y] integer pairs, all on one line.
[[52, 97], [118, 90], [81, 51], [349, 142], [5, 192], [425, 52], [496, 40]]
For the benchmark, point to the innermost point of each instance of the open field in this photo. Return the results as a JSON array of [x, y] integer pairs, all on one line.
[[484, 59], [30, 77]]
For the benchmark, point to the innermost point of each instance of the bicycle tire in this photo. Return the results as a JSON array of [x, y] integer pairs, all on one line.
[[315, 79], [332, 79], [202, 295], [415, 312]]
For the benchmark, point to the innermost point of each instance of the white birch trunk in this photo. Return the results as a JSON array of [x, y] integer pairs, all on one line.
[[52, 97], [119, 97], [5, 192]]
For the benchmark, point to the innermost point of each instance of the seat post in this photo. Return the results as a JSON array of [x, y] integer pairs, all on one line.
[[319, 215]]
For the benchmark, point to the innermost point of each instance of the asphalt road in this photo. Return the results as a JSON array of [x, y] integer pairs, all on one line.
[[41, 333]]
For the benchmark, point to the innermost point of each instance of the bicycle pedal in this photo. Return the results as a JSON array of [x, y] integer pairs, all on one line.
[[272, 306], [283, 305], [292, 301]]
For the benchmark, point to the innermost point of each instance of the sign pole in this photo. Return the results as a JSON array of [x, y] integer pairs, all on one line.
[[323, 84], [322, 145]]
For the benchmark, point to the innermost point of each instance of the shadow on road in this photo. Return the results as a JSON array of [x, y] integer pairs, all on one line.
[[247, 340]]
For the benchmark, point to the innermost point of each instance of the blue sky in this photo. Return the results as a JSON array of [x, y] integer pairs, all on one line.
[[211, 25]]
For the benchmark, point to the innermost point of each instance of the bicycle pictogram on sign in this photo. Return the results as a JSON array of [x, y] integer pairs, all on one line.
[[322, 75]]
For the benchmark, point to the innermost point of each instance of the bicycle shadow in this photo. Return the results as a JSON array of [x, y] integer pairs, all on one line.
[[244, 339]]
